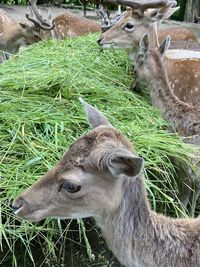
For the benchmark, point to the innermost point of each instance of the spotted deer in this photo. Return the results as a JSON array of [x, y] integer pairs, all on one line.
[[13, 34], [182, 66], [62, 26], [101, 176], [182, 117]]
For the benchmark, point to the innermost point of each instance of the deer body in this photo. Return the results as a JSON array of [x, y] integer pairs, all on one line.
[[72, 25], [183, 71], [177, 34], [100, 176]]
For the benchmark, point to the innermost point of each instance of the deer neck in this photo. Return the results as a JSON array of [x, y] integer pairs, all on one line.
[[121, 228], [183, 118], [161, 92], [138, 236], [15, 39]]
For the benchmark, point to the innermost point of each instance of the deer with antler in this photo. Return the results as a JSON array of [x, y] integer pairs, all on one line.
[[182, 66], [136, 20], [13, 34], [101, 176], [64, 25]]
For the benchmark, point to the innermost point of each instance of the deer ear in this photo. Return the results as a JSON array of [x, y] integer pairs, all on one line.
[[164, 12], [165, 45], [49, 15], [144, 44], [95, 117], [122, 161], [171, 11], [25, 25]]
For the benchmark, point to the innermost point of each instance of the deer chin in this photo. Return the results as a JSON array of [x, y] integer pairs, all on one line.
[[115, 46], [107, 46], [42, 214], [34, 216]]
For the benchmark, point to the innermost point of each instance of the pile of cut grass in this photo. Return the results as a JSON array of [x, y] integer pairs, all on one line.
[[40, 116]]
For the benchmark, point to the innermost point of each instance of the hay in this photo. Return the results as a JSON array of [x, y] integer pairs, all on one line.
[[41, 116]]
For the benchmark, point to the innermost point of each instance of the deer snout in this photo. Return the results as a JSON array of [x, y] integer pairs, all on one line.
[[20, 206], [99, 40]]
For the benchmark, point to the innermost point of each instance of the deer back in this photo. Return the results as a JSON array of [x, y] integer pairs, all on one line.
[[177, 34], [183, 70], [71, 25]]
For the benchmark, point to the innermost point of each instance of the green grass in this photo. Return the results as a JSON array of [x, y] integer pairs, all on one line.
[[40, 116]]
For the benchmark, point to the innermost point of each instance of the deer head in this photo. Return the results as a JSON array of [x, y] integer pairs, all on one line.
[[89, 178], [135, 22], [14, 34], [146, 61], [30, 33], [43, 26]]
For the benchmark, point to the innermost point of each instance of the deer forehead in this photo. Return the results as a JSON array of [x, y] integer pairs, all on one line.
[[90, 143], [93, 144]]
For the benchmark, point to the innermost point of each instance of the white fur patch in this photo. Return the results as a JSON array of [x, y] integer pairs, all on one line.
[[182, 54]]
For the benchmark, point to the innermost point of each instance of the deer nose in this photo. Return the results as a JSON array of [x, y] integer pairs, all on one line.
[[17, 205], [99, 40], [15, 208]]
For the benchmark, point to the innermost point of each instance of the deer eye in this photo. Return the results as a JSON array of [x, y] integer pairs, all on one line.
[[129, 26], [69, 186]]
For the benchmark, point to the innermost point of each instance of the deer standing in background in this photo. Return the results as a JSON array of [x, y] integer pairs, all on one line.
[[62, 26], [182, 117], [100, 176], [183, 67], [13, 34]]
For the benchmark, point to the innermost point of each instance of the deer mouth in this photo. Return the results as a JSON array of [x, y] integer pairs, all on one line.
[[113, 45], [32, 216]]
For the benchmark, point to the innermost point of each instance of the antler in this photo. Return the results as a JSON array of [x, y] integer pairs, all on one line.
[[106, 22], [39, 22], [140, 6]]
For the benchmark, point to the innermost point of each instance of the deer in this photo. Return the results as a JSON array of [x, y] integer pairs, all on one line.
[[135, 22], [101, 176], [13, 34], [182, 66], [182, 117], [62, 26]]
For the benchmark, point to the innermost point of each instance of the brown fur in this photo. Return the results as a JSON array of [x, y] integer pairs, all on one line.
[[177, 34], [137, 235], [71, 25]]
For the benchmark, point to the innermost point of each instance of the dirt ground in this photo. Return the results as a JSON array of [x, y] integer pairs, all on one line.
[[18, 12]]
